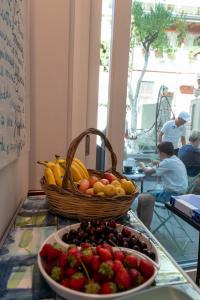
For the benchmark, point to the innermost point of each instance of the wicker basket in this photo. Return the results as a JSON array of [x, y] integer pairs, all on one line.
[[72, 203]]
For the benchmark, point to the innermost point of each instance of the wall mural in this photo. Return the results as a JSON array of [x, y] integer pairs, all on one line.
[[12, 80]]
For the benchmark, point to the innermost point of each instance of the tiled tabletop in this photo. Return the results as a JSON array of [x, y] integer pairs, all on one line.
[[20, 278]]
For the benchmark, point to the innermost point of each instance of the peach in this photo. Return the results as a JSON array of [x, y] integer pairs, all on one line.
[[92, 179], [104, 181], [109, 190], [109, 176], [90, 191], [84, 185]]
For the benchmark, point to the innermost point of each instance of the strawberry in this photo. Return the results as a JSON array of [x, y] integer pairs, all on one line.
[[92, 287], [119, 255], [77, 281], [131, 261], [70, 271], [63, 260], [74, 257], [105, 254], [107, 246], [65, 282], [146, 268], [106, 270], [49, 252], [87, 255], [85, 245], [123, 280], [95, 262], [108, 288], [56, 273], [117, 265], [136, 277], [48, 266]]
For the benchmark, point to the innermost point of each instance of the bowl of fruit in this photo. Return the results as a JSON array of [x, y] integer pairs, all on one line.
[[97, 232], [101, 272]]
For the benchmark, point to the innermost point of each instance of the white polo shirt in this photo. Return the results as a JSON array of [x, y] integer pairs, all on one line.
[[173, 175], [172, 133]]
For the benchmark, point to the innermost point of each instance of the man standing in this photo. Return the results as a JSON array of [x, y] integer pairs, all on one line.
[[174, 180], [173, 130]]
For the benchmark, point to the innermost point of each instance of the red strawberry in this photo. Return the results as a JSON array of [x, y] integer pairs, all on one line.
[[106, 270], [95, 263], [77, 281], [108, 288], [131, 261], [70, 271], [73, 250], [136, 277], [63, 260], [48, 266], [74, 257], [87, 255], [119, 255], [105, 254], [146, 268], [107, 246], [49, 252], [65, 282], [123, 280], [117, 265]]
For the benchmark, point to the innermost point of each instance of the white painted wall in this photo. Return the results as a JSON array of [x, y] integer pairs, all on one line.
[[49, 78]]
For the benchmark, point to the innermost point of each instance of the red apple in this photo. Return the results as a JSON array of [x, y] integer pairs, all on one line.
[[92, 179], [104, 181], [84, 185], [109, 176]]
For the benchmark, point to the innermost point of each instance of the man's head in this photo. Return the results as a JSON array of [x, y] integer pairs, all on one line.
[[165, 149], [183, 117], [194, 138]]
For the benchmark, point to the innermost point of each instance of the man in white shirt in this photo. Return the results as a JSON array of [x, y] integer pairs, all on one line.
[[173, 130], [174, 180]]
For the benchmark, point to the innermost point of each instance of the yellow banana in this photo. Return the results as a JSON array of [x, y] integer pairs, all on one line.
[[81, 171], [76, 175], [49, 177], [82, 166], [58, 162]]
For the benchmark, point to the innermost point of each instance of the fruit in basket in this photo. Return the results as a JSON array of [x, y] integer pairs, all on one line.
[[98, 187], [116, 183], [98, 273], [92, 179], [128, 186], [49, 177], [109, 190], [90, 191], [84, 185], [104, 181], [109, 176], [120, 191]]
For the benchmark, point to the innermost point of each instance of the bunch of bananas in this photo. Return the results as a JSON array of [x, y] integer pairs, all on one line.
[[54, 171]]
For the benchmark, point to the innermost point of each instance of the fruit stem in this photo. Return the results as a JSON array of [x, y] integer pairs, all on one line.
[[85, 270]]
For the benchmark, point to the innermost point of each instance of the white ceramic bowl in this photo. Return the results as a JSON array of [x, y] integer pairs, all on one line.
[[70, 294], [142, 237]]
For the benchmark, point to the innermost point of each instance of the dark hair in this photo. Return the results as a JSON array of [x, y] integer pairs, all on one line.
[[166, 147]]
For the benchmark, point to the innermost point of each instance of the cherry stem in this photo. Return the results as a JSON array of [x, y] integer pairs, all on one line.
[[85, 270]]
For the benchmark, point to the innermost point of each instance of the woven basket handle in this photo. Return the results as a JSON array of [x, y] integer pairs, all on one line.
[[73, 147]]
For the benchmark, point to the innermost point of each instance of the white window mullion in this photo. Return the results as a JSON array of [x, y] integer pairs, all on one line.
[[118, 78]]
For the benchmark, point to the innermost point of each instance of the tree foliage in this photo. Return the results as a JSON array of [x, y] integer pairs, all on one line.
[[149, 30]]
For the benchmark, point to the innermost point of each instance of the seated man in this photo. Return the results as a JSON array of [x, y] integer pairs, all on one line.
[[190, 156], [174, 179]]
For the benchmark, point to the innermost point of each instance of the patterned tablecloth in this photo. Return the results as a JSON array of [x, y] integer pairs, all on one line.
[[19, 274]]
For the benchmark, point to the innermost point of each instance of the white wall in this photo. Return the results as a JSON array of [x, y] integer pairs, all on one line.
[[49, 78]]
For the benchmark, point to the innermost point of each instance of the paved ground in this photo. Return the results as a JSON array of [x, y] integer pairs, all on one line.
[[179, 238]]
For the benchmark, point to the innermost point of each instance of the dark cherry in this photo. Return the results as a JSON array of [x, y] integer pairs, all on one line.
[[137, 248]]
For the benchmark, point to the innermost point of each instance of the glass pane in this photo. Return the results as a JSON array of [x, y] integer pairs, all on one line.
[[106, 31], [168, 84]]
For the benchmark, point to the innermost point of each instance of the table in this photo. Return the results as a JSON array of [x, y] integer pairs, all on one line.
[[194, 224], [137, 176], [20, 277]]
